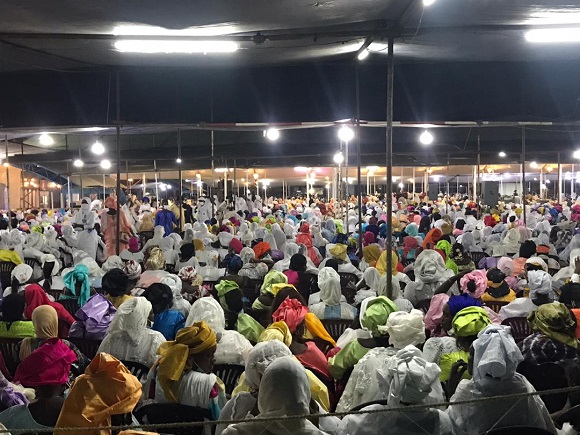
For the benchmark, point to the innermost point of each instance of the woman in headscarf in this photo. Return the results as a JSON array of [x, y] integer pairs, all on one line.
[[393, 292], [434, 316], [35, 297], [94, 318], [493, 360], [84, 222], [132, 252], [232, 346], [116, 287], [269, 290], [409, 248], [77, 285], [293, 313], [252, 268], [554, 337], [284, 374], [179, 302], [165, 320], [305, 282], [430, 273], [468, 243], [506, 265], [20, 276], [330, 305], [374, 313], [474, 283], [13, 324], [46, 370], [50, 269], [461, 258], [371, 255], [187, 257], [184, 370], [128, 338], [368, 286], [445, 246], [425, 225], [497, 288], [109, 227], [103, 396], [339, 253], [305, 238], [432, 238], [527, 250], [463, 318], [368, 381], [410, 380]]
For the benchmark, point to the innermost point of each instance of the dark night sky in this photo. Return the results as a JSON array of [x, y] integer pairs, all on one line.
[[313, 92]]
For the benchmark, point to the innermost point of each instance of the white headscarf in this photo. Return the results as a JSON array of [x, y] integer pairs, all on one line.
[[574, 244], [540, 282], [538, 261], [371, 277], [208, 310], [22, 273], [412, 378], [247, 254], [112, 262], [49, 258], [329, 284], [132, 269], [405, 328], [290, 248], [429, 266], [496, 355], [260, 357], [269, 238], [394, 292], [130, 320]]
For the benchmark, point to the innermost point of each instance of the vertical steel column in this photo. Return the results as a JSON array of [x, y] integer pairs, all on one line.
[[559, 179], [389, 155], [358, 162], [477, 184], [179, 198], [118, 125], [524, 173]]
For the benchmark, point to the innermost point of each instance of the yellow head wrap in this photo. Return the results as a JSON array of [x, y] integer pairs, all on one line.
[[338, 251], [277, 331], [316, 329], [156, 260], [198, 245], [190, 340]]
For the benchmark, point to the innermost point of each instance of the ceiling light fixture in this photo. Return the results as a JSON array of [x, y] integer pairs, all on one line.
[[97, 148], [78, 163], [338, 158], [174, 46], [363, 52], [105, 164], [272, 134], [178, 160], [534, 165], [345, 133], [576, 154], [45, 139], [557, 35], [502, 154], [426, 138], [428, 2]]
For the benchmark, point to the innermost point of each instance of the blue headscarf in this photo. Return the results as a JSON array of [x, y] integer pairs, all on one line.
[[458, 303], [79, 274]]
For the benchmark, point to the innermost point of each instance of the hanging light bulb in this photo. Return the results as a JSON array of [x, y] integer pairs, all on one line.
[[345, 133], [78, 163], [426, 138], [97, 148], [45, 139], [273, 134], [105, 164]]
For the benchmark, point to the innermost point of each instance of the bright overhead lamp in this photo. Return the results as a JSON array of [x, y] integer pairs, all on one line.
[[401, 185], [45, 139], [534, 165], [428, 2], [555, 35], [178, 160], [174, 46], [338, 158], [345, 133], [502, 154], [105, 164], [426, 138], [272, 134], [363, 54], [548, 181], [97, 148], [576, 154], [78, 163]]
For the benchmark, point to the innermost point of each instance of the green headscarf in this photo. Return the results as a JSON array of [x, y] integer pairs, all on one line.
[[376, 312], [470, 321], [249, 327], [273, 277], [79, 274], [224, 287], [445, 246], [555, 321]]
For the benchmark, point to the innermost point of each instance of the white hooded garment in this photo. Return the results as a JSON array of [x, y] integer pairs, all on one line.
[[330, 305], [87, 237], [430, 273]]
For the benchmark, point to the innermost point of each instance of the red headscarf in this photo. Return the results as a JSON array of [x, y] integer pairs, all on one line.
[[291, 312], [47, 365], [35, 296], [432, 238], [408, 244], [261, 248], [236, 245], [368, 238]]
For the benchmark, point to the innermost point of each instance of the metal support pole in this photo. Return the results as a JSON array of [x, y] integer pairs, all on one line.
[[477, 186], [358, 162], [104, 189], [389, 155], [559, 179], [212, 138], [524, 173], [7, 181], [156, 182], [118, 192], [179, 197]]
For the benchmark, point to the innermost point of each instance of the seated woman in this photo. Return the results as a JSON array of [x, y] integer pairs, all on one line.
[[465, 316], [77, 285], [447, 249], [374, 313], [232, 301], [132, 252], [165, 320], [497, 288], [184, 370], [554, 337], [540, 286], [409, 248], [179, 302], [368, 286], [411, 380], [50, 269], [338, 253], [233, 265], [493, 359], [430, 273], [20, 276], [434, 316], [300, 277], [369, 380], [13, 324], [232, 347], [105, 395], [393, 292], [371, 255], [46, 370], [94, 318], [462, 259], [330, 305], [116, 287], [268, 290], [45, 321], [35, 297], [128, 338], [293, 313], [252, 268], [283, 374], [187, 257]]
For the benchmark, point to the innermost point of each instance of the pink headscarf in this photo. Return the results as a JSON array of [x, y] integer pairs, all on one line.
[[133, 244], [47, 365], [368, 238], [479, 278], [292, 312], [435, 314]]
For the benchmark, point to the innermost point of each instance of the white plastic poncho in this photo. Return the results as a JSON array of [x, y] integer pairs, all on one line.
[[284, 391], [175, 284], [405, 328], [540, 282], [232, 347], [495, 360], [329, 303], [87, 236], [408, 378], [112, 262], [565, 273], [371, 278], [128, 338], [430, 272]]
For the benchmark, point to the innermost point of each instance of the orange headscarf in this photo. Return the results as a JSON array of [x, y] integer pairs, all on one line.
[[432, 238]]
